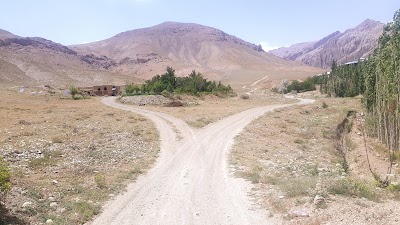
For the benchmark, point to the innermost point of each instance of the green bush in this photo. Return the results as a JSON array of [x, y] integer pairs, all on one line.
[[194, 83], [5, 184], [73, 91]]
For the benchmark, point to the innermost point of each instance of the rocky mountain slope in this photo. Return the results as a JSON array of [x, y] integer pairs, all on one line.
[[343, 47], [141, 54], [37, 61], [5, 34], [185, 46]]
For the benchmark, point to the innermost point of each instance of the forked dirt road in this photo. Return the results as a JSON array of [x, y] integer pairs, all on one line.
[[190, 183]]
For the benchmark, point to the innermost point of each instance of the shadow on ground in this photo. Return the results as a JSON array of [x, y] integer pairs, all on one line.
[[7, 219]]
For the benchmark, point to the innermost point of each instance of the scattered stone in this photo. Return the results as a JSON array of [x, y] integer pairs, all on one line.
[[26, 204], [51, 199], [53, 204], [49, 221], [54, 182], [318, 199], [61, 210], [299, 213], [145, 100], [281, 196]]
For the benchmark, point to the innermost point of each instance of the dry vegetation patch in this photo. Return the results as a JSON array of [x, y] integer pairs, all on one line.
[[291, 157], [199, 111], [68, 156]]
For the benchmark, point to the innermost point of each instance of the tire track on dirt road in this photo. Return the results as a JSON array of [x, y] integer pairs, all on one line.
[[190, 183]]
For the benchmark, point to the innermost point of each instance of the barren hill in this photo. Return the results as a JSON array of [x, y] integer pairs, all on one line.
[[343, 47], [5, 34], [141, 53], [186, 46], [37, 61]]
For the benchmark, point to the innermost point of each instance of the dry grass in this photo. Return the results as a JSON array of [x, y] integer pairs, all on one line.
[[204, 110], [294, 152], [74, 153]]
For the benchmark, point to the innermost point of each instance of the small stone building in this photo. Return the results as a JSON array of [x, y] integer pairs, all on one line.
[[102, 90]]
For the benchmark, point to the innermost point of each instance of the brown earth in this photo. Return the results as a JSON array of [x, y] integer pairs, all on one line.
[[290, 156], [68, 156], [186, 47]]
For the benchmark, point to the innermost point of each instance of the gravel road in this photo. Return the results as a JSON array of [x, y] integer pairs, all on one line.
[[191, 182]]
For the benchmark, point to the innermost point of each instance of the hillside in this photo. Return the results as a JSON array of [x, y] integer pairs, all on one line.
[[343, 47], [141, 54], [37, 61], [186, 46], [5, 34]]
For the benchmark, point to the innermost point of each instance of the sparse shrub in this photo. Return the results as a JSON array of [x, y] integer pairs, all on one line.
[[100, 180], [353, 188], [73, 91], [394, 187], [49, 159], [5, 184], [244, 96], [297, 186], [85, 210], [324, 105]]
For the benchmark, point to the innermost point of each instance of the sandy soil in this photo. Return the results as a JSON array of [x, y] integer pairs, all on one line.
[[191, 183]]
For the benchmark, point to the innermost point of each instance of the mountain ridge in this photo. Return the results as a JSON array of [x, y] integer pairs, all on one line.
[[352, 44]]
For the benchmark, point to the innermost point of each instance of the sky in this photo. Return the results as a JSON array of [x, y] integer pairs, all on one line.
[[270, 23]]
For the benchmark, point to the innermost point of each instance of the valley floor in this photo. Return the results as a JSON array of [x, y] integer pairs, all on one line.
[[69, 157]]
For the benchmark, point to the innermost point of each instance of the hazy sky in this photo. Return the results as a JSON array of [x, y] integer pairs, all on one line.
[[272, 23]]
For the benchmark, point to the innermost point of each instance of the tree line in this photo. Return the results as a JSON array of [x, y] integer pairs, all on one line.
[[378, 80], [194, 83]]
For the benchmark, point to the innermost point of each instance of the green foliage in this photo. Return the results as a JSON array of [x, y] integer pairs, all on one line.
[[132, 89], [194, 83], [344, 80], [5, 184], [306, 85], [378, 79], [74, 91]]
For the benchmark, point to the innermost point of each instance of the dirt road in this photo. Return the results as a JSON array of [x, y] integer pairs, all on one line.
[[190, 183]]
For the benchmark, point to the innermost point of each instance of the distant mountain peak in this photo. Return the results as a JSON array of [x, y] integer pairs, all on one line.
[[368, 24], [350, 45]]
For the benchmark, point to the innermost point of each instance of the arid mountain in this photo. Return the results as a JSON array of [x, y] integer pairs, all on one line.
[[350, 45], [5, 34], [141, 53], [37, 61], [186, 46]]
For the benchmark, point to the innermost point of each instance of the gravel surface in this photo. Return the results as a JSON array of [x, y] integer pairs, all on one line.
[[190, 184], [145, 100]]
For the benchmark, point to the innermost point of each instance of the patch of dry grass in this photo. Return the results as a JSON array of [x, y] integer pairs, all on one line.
[[203, 110], [294, 152], [74, 153]]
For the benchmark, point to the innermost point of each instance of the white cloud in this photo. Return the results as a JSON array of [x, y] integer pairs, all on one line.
[[267, 46]]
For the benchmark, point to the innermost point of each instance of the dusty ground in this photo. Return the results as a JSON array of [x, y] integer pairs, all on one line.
[[190, 184], [204, 110], [290, 157], [68, 156]]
